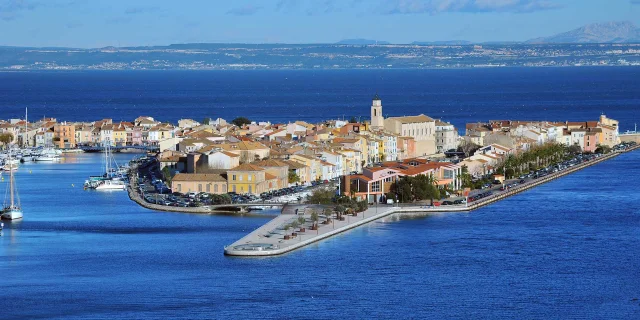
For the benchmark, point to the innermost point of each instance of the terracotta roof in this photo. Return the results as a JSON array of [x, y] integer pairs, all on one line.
[[269, 176], [198, 177], [247, 167], [413, 119], [270, 163], [294, 164]]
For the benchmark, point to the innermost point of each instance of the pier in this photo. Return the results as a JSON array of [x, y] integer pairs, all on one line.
[[273, 239]]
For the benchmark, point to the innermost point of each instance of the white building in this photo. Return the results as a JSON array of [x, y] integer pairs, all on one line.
[[446, 136]]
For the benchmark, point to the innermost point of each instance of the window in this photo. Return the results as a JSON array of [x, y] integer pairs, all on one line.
[[249, 177], [375, 187], [249, 189], [208, 188], [215, 188], [234, 188], [234, 179], [240, 177], [179, 187], [199, 187]]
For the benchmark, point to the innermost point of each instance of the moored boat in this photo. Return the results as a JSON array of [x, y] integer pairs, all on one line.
[[12, 209]]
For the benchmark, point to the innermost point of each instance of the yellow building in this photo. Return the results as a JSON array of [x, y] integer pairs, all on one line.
[[250, 179], [120, 135], [279, 169], [314, 164]]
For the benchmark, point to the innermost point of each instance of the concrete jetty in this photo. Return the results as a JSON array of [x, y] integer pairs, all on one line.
[[272, 239]]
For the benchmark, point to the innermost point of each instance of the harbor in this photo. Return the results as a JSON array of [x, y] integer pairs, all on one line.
[[276, 238]]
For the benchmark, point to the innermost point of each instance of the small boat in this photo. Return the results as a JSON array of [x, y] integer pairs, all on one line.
[[44, 158], [12, 209], [111, 184]]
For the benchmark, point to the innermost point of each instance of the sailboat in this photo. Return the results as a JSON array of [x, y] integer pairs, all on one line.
[[12, 209], [110, 180]]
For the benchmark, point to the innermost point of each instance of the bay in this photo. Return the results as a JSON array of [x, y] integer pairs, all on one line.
[[565, 250], [458, 95]]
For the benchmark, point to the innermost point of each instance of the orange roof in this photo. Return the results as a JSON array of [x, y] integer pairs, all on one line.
[[247, 167], [269, 176]]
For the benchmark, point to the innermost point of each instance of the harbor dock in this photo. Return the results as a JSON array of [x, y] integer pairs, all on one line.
[[273, 239]]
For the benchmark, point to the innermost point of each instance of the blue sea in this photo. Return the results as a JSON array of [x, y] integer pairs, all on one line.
[[458, 96], [568, 249]]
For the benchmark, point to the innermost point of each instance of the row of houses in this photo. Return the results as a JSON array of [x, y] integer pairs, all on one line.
[[48, 132], [520, 135]]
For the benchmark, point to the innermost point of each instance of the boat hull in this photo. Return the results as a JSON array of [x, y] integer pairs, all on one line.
[[111, 185], [12, 214]]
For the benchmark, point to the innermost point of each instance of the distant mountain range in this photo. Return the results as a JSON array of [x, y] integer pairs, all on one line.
[[607, 32]]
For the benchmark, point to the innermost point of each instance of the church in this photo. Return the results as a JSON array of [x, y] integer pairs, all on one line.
[[421, 128]]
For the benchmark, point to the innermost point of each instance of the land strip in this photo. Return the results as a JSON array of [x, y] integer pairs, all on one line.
[[269, 239]]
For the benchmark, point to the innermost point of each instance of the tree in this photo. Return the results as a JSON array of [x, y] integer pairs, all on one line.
[[465, 177], [206, 121], [6, 138], [603, 149], [468, 148], [166, 174], [327, 213], [293, 177], [302, 220], [574, 149], [339, 211], [314, 219], [353, 120], [294, 225], [241, 121], [321, 196], [286, 229]]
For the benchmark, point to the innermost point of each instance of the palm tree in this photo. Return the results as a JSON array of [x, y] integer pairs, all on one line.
[[314, 219], [327, 213], [339, 211], [302, 220], [286, 230], [294, 225]]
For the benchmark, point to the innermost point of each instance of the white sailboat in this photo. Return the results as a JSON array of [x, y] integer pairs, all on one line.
[[12, 209], [110, 180]]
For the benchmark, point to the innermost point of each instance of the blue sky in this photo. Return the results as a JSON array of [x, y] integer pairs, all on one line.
[[98, 23]]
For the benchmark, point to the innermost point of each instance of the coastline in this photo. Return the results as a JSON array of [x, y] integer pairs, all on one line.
[[244, 246]]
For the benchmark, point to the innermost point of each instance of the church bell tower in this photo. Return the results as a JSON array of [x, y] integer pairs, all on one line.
[[377, 121]]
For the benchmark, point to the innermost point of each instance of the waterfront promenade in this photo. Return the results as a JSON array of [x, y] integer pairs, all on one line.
[[269, 239]]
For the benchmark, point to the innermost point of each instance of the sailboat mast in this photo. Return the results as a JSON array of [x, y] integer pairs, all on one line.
[[106, 156], [11, 176], [26, 134]]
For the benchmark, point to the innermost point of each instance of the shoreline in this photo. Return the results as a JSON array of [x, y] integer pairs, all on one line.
[[247, 247]]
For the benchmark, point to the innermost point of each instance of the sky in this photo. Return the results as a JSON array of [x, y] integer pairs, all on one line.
[[100, 23]]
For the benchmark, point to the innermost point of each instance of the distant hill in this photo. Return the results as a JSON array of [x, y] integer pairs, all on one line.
[[442, 43], [607, 32], [361, 42]]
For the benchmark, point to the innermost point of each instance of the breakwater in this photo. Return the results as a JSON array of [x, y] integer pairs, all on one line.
[[269, 239]]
